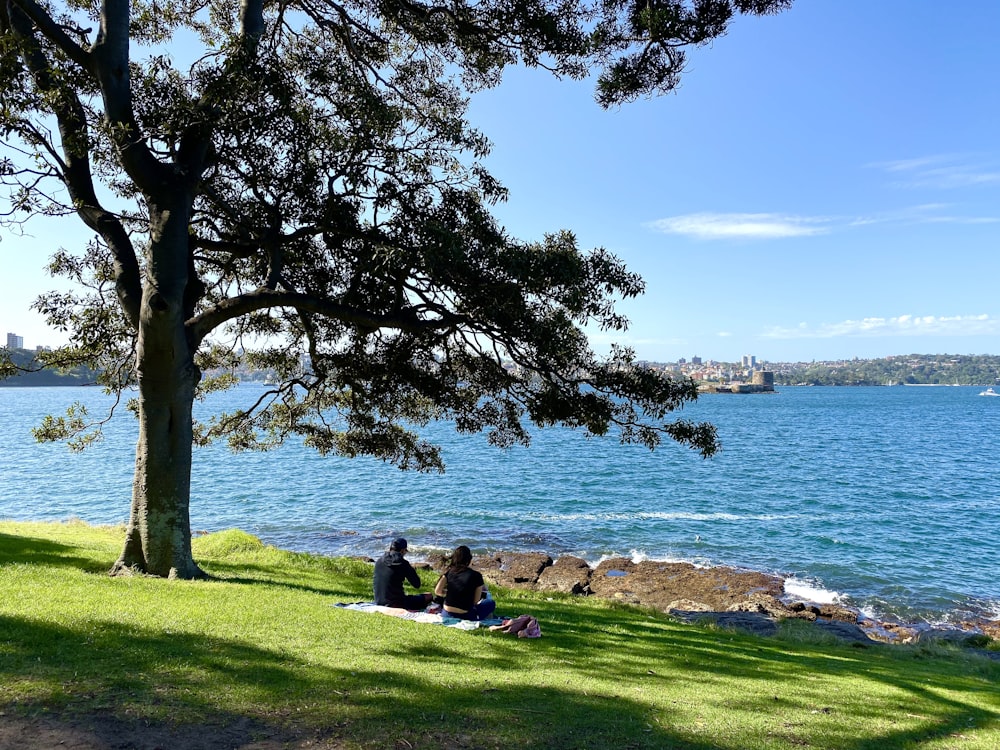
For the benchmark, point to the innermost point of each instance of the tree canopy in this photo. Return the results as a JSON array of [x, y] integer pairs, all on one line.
[[294, 184]]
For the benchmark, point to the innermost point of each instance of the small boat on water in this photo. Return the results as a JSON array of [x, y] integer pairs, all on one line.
[[989, 392]]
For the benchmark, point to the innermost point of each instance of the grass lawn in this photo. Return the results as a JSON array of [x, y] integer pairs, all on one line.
[[260, 652]]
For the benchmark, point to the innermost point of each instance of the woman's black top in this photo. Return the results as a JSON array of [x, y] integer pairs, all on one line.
[[462, 588]]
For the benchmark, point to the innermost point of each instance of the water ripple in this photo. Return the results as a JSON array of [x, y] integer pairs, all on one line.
[[887, 496]]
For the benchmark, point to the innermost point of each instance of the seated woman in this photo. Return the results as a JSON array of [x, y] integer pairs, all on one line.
[[463, 588]]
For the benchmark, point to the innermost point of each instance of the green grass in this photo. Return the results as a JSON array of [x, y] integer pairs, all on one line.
[[263, 643]]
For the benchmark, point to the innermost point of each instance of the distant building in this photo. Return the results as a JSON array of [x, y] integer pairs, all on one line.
[[14, 341], [763, 382], [750, 361], [695, 360]]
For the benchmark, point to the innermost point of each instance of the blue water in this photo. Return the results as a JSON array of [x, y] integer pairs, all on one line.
[[888, 497]]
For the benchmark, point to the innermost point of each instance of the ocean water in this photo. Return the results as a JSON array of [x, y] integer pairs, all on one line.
[[887, 499]]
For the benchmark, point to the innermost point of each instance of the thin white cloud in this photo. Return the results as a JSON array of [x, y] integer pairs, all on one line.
[[720, 226], [925, 213], [951, 219], [901, 325], [910, 165], [943, 172], [735, 226]]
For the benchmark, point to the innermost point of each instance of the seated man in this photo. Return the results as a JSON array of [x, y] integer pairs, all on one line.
[[391, 570]]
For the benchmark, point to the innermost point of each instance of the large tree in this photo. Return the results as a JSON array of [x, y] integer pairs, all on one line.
[[293, 183]]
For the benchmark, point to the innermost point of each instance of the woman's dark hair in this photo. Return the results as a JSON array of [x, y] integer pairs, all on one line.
[[460, 559]]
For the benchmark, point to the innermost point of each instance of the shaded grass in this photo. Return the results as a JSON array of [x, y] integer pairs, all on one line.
[[262, 642]]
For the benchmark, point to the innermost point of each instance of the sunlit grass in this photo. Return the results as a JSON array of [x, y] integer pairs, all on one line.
[[263, 640]]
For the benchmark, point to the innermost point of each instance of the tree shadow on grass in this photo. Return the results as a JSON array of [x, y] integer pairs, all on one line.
[[133, 687], [729, 674], [36, 551], [143, 689], [343, 586], [103, 731], [704, 656]]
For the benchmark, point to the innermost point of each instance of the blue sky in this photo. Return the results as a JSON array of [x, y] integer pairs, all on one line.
[[824, 185]]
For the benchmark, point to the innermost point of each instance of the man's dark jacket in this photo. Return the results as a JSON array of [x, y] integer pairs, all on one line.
[[391, 570]]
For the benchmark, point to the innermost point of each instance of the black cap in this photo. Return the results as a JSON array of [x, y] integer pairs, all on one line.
[[399, 545]]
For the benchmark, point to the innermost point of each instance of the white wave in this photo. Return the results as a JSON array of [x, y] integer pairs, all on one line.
[[638, 556], [992, 610], [644, 516], [868, 612], [811, 591]]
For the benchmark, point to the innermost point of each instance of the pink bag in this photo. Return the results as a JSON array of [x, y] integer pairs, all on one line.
[[525, 626]]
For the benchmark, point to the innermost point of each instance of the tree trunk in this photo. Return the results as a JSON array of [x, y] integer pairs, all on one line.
[[158, 538]]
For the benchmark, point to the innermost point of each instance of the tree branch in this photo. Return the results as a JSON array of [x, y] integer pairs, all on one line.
[[75, 166], [112, 67], [236, 249], [406, 319], [56, 34], [251, 21]]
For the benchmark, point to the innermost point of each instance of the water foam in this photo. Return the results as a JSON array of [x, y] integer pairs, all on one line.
[[642, 516], [638, 556], [811, 591]]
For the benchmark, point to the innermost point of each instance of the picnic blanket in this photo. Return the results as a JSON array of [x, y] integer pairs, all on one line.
[[433, 618]]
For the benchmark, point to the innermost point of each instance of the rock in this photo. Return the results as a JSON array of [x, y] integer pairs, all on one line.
[[838, 612], [569, 575], [627, 596], [990, 628], [682, 606], [490, 567], [439, 562], [890, 632], [800, 608], [763, 604], [513, 569], [728, 597], [802, 611], [659, 584]]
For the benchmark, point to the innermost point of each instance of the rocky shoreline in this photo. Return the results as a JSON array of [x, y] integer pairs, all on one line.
[[742, 599]]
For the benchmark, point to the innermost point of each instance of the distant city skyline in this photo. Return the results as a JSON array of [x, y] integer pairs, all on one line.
[[824, 186], [749, 361]]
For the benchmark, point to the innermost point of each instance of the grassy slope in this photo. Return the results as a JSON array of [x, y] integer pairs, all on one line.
[[263, 642]]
